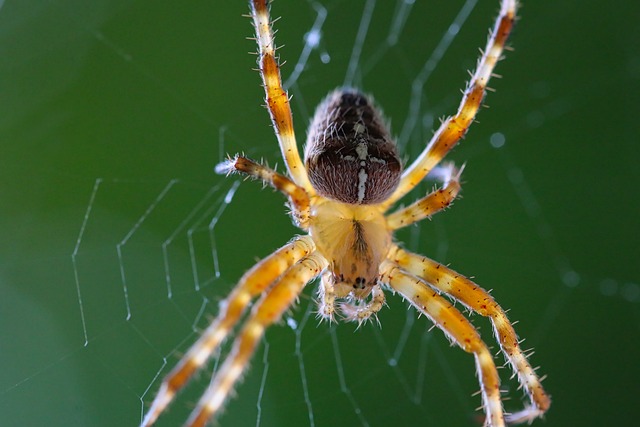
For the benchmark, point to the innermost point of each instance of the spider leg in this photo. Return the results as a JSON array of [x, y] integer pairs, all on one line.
[[457, 327], [253, 283], [362, 313], [298, 197], [266, 311], [430, 204], [326, 297], [277, 98], [479, 300], [454, 128]]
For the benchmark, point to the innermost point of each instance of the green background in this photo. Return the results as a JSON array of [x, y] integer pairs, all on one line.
[[140, 93]]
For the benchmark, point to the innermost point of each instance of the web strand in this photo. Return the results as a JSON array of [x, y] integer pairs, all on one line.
[[411, 353], [130, 234], [74, 256]]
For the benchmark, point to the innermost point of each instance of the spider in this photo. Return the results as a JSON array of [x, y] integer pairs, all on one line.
[[339, 196]]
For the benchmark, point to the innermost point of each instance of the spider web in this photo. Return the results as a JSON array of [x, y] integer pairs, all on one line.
[[117, 254]]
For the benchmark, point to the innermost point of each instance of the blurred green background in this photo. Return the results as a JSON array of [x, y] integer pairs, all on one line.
[[116, 110]]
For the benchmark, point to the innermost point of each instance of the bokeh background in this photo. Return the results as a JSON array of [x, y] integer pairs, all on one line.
[[112, 111]]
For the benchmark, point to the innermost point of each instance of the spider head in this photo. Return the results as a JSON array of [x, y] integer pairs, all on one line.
[[349, 154]]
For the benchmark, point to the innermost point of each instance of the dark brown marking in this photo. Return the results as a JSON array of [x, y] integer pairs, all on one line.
[[349, 154]]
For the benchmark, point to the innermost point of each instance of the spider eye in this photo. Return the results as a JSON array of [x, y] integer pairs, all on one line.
[[349, 154]]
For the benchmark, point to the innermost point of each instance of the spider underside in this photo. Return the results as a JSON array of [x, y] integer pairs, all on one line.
[[339, 196]]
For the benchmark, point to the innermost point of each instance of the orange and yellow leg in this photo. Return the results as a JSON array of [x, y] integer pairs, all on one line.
[[298, 197], [266, 311], [430, 204], [479, 300], [253, 283], [455, 127], [457, 327], [277, 98]]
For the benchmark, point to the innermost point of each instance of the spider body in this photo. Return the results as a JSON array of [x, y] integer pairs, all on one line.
[[339, 196], [353, 164]]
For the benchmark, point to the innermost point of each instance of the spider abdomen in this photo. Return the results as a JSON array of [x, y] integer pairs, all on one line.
[[349, 155]]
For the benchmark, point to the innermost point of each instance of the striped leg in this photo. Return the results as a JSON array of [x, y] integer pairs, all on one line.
[[276, 97], [446, 317], [454, 127], [477, 299], [430, 204], [298, 197], [267, 310], [252, 284]]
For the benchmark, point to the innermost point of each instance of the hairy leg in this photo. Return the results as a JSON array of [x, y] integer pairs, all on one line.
[[253, 283], [276, 97], [457, 327], [479, 300], [298, 197], [266, 311], [454, 128], [430, 204]]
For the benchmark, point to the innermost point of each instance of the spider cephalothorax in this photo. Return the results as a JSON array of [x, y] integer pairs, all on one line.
[[340, 196]]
